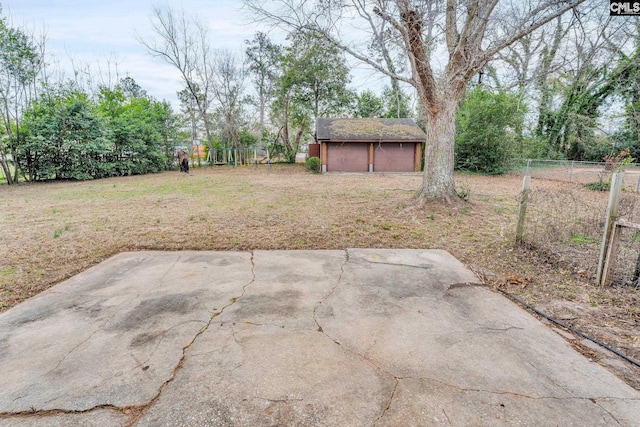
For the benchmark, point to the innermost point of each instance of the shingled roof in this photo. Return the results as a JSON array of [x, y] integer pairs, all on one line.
[[341, 130]]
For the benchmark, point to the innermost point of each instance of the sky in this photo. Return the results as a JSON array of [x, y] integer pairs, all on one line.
[[102, 34]]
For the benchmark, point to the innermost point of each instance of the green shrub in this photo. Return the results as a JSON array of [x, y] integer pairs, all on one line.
[[598, 186], [485, 137], [313, 164]]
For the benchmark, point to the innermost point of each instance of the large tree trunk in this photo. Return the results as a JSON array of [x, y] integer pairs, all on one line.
[[439, 99], [472, 36], [437, 179]]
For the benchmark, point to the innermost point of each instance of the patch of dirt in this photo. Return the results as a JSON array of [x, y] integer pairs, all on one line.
[[52, 231]]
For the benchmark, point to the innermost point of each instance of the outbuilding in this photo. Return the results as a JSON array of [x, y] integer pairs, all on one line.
[[369, 145]]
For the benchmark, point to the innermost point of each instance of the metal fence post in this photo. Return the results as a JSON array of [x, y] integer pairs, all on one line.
[[522, 209], [612, 215], [571, 171]]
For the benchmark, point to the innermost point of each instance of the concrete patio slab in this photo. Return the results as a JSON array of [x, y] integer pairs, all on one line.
[[360, 337]]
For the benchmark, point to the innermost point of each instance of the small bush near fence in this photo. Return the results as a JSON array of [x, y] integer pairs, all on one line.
[[313, 164]]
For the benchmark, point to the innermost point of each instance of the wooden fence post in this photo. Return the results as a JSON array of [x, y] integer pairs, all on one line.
[[612, 215], [522, 209]]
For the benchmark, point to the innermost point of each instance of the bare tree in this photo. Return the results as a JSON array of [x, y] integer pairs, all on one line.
[[569, 72], [263, 57], [21, 67], [183, 43], [440, 65], [528, 66], [228, 82]]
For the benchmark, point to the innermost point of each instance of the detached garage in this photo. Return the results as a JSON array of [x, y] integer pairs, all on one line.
[[369, 145]]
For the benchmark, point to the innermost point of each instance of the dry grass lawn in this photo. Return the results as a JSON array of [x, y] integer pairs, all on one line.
[[52, 231]]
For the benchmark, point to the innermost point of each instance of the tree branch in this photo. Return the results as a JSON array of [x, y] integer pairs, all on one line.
[[337, 43], [510, 40], [451, 31]]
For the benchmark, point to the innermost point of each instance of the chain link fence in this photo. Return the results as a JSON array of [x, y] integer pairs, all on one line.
[[566, 214], [626, 263], [565, 223], [577, 172]]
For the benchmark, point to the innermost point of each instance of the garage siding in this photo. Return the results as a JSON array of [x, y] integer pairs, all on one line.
[[394, 157], [348, 157]]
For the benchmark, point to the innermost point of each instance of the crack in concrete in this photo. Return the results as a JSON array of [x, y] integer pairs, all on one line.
[[389, 402], [267, 325], [331, 292], [623, 399], [377, 367], [169, 269], [553, 381], [347, 349], [138, 410], [595, 402], [145, 408], [74, 349], [102, 326], [399, 264], [164, 331], [504, 329], [106, 322], [572, 396], [282, 400], [447, 417], [398, 379], [518, 395], [125, 410]]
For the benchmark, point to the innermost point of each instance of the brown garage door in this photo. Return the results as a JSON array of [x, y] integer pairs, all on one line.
[[348, 157], [394, 157]]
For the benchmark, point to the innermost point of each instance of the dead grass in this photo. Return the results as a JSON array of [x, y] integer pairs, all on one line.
[[55, 230]]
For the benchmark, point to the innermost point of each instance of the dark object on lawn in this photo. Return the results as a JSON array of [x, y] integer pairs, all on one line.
[[183, 161]]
